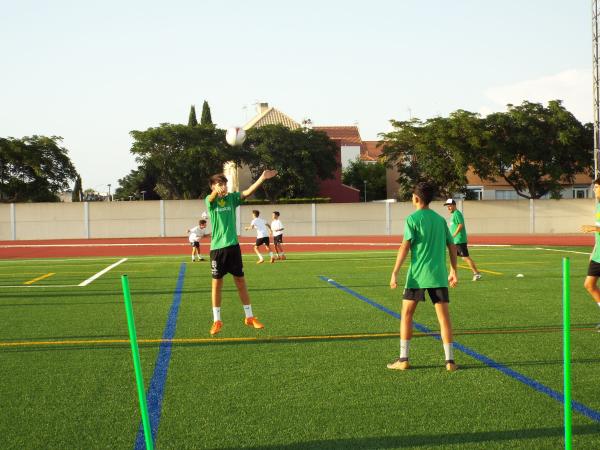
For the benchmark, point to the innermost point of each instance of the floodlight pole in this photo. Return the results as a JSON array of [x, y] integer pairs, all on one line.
[[595, 84]]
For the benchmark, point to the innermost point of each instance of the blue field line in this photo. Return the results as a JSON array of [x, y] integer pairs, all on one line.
[[579, 407], [154, 396]]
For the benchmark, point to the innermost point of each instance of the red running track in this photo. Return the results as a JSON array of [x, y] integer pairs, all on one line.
[[180, 246]]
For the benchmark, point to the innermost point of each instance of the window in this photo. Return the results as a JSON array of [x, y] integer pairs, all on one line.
[[509, 194], [474, 193], [580, 192]]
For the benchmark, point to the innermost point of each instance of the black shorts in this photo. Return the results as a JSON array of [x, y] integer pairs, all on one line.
[[195, 244], [462, 250], [261, 241], [278, 239], [437, 295], [593, 269], [226, 260]]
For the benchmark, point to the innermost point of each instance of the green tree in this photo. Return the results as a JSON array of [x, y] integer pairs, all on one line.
[[138, 180], [206, 118], [77, 194], [373, 173], [192, 121], [437, 150], [181, 158], [34, 169], [534, 148], [301, 156]]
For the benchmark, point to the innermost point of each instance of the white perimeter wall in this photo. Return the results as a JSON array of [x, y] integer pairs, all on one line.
[[22, 221]]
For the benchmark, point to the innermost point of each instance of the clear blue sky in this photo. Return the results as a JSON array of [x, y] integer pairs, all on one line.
[[93, 71]]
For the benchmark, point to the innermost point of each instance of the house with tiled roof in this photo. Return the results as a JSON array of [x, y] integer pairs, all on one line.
[[479, 189], [331, 188], [267, 115]]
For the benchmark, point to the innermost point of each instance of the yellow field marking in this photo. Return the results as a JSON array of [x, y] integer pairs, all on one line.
[[276, 339], [462, 266], [48, 275]]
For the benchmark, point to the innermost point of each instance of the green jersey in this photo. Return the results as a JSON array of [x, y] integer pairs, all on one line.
[[222, 218], [457, 218], [596, 253], [428, 234]]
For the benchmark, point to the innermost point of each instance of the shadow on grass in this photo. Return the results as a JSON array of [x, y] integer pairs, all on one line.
[[457, 439]]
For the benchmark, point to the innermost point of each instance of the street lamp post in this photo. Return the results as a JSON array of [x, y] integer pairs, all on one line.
[[365, 181]]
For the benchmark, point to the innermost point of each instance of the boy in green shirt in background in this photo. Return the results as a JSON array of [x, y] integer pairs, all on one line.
[[593, 274], [426, 236], [459, 235], [225, 252]]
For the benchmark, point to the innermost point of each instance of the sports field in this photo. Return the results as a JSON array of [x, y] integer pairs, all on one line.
[[315, 377]]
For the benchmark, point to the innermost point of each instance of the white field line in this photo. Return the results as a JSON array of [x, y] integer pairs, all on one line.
[[563, 251], [102, 272]]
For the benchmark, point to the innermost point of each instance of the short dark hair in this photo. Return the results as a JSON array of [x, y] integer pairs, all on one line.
[[425, 191], [202, 222], [217, 178], [276, 213], [256, 212], [597, 181]]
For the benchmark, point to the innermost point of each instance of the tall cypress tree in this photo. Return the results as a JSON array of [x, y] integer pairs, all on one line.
[[206, 118], [77, 194], [192, 121]]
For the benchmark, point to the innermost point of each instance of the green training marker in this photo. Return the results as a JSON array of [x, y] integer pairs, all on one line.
[[135, 353], [567, 351]]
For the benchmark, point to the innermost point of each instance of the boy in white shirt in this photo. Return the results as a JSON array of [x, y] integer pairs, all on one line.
[[262, 236], [277, 229], [194, 236]]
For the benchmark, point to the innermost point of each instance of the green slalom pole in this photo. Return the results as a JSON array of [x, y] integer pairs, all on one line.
[[135, 353], [567, 351]]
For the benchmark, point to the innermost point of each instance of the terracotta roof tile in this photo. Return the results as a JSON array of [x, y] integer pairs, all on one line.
[[348, 135], [272, 116]]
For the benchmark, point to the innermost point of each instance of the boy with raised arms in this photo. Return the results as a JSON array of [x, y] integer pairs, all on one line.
[[225, 252]]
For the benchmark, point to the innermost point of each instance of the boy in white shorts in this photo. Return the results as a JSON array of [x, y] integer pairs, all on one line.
[[262, 236]]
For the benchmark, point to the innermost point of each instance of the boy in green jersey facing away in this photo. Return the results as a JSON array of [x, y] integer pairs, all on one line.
[[459, 235], [225, 252], [591, 280], [426, 236]]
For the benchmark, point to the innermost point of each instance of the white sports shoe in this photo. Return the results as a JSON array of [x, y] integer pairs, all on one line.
[[477, 277]]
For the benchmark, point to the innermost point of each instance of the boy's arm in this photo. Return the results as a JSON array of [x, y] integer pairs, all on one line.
[[459, 227], [402, 253], [265, 176], [452, 277]]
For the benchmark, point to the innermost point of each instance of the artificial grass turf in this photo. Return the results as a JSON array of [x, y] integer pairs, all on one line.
[[295, 393]]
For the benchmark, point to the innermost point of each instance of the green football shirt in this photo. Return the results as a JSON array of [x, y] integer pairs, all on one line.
[[596, 253], [428, 234], [222, 219], [457, 218]]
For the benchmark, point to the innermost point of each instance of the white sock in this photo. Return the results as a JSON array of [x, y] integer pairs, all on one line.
[[248, 311], [216, 313], [449, 351], [404, 346]]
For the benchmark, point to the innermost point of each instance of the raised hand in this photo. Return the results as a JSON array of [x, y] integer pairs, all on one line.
[[269, 174]]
